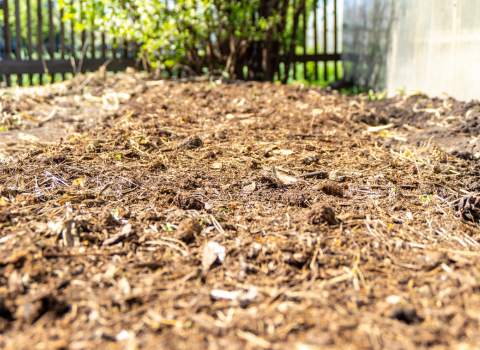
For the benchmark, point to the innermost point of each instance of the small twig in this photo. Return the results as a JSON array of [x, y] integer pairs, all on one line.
[[74, 66], [323, 174], [217, 225], [74, 255], [83, 56], [279, 183]]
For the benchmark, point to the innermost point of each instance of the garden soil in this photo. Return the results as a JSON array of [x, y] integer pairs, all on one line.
[[137, 213]]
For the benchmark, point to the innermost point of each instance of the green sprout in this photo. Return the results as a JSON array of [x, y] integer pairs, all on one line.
[[168, 227], [392, 192], [426, 198], [119, 156]]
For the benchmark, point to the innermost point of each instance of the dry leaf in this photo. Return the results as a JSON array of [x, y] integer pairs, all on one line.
[[250, 188], [239, 295], [285, 179], [285, 152], [211, 253], [78, 182]]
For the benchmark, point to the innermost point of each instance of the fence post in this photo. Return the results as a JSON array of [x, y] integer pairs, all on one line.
[[335, 34], [18, 39], [305, 41], [29, 37], [8, 36], [40, 37], [315, 39], [325, 71], [72, 37]]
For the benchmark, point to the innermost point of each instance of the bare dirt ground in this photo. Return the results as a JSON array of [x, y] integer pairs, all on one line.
[[146, 214]]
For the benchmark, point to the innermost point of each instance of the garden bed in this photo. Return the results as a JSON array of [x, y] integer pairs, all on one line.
[[140, 213]]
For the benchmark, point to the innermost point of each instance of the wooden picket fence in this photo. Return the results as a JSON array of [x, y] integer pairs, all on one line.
[[64, 51], [324, 57]]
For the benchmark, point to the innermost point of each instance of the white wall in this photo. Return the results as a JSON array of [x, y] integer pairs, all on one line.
[[436, 48], [430, 45]]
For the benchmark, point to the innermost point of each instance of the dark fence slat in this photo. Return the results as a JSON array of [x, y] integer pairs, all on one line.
[[7, 31], [51, 38], [40, 37], [29, 37], [84, 33], [8, 36], [18, 39], [62, 35], [72, 36], [325, 71], [62, 38], [315, 39], [305, 40], [29, 31], [92, 39], [18, 31], [104, 46], [317, 57], [335, 35]]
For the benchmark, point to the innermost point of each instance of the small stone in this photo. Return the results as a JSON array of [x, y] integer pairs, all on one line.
[[294, 198], [310, 158], [437, 169], [187, 229], [185, 201], [221, 135], [321, 213], [208, 154], [157, 165], [191, 142]]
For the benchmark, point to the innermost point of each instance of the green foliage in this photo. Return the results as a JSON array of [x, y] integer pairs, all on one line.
[[194, 34]]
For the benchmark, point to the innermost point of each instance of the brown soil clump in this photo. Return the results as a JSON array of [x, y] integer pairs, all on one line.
[[188, 229], [332, 189], [191, 142], [294, 198], [320, 213], [186, 201]]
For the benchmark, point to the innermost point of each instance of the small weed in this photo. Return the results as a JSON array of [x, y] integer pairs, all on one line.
[[426, 198], [168, 227], [376, 96], [392, 192], [119, 156]]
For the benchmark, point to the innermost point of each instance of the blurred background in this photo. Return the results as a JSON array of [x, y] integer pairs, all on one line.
[[354, 45], [48, 40]]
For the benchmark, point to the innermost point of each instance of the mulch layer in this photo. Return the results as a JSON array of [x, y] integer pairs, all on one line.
[[145, 214]]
